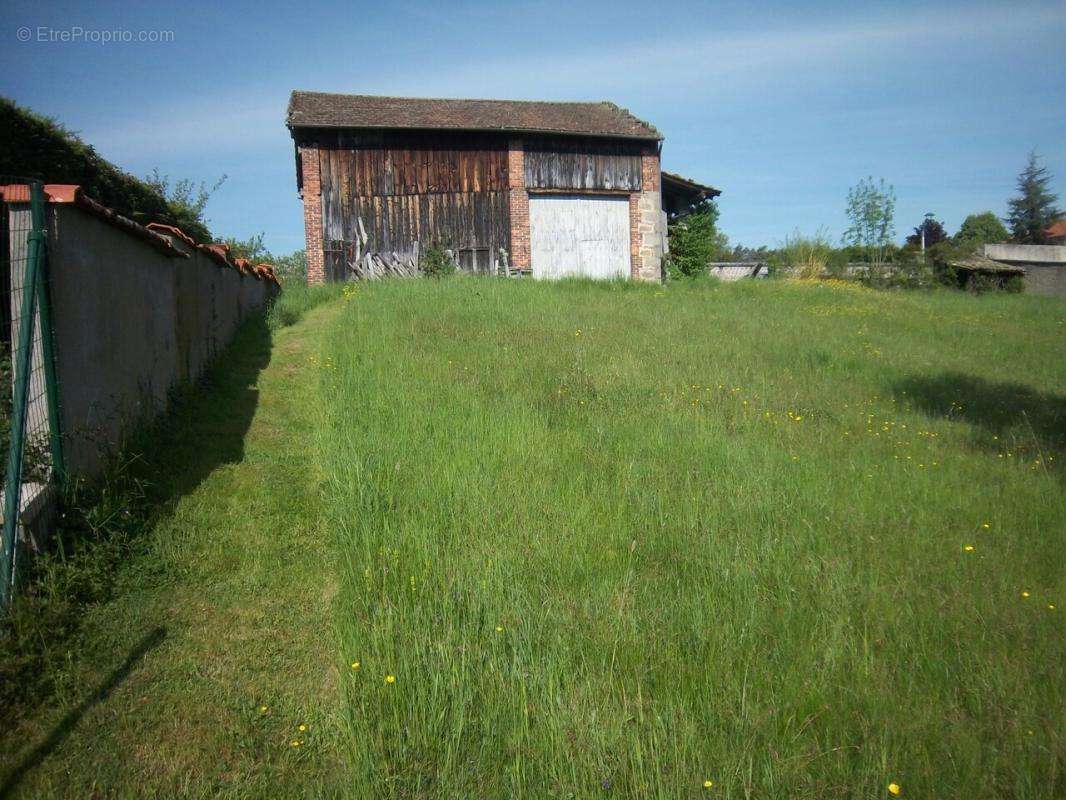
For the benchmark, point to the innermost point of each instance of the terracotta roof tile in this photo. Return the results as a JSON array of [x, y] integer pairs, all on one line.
[[322, 110], [1057, 228], [267, 273], [178, 233]]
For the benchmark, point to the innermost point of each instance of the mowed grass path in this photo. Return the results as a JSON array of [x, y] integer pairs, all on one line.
[[618, 541], [606, 540], [215, 644]]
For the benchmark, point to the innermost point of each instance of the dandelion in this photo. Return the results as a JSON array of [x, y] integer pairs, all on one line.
[[263, 709], [499, 629], [295, 743], [355, 665], [893, 788], [708, 784], [1025, 594], [968, 548], [1051, 606], [985, 525], [302, 728], [390, 679]]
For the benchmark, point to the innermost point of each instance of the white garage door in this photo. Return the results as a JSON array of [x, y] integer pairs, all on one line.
[[579, 235]]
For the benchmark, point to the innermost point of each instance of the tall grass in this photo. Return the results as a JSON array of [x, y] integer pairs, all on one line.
[[297, 298], [618, 541], [804, 256], [608, 540]]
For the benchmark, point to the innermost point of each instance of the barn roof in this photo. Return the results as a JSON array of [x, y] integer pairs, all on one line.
[[681, 183], [322, 110], [680, 195]]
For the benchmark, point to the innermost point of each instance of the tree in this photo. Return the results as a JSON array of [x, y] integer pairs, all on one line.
[[1033, 211], [743, 253], [251, 248], [186, 201], [293, 267], [871, 208], [979, 229], [695, 241], [934, 232]]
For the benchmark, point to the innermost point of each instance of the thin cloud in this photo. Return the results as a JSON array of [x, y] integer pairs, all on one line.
[[703, 67]]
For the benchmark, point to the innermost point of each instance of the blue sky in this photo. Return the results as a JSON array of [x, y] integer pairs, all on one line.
[[781, 107]]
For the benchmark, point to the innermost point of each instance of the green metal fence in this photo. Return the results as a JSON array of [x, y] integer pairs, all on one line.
[[30, 432]]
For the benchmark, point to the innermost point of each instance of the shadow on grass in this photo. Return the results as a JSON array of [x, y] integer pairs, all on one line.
[[105, 529], [63, 728], [207, 423], [1023, 418]]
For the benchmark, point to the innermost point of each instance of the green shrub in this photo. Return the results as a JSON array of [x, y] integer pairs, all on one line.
[[436, 263], [695, 242], [906, 273]]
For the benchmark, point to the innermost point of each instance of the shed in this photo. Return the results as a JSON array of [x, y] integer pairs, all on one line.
[[541, 188], [972, 269]]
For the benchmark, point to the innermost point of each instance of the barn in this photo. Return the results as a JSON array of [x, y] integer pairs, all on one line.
[[505, 187]]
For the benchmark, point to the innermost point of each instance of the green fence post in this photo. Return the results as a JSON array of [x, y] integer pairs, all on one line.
[[48, 350], [22, 364]]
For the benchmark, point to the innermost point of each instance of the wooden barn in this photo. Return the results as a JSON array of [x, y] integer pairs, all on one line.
[[507, 187]]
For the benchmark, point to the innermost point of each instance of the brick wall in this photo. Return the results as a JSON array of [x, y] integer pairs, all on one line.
[[519, 204], [634, 236], [312, 197], [646, 225]]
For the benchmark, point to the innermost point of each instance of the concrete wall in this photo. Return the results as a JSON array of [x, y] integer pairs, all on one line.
[[132, 323], [1046, 278], [1028, 253], [735, 271]]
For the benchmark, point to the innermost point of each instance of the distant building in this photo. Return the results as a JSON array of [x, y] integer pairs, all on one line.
[[1056, 234]]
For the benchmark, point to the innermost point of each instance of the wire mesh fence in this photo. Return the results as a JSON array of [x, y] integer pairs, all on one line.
[[29, 425]]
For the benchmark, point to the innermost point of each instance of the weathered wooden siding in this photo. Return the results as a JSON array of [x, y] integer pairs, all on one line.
[[475, 224], [559, 162], [398, 193]]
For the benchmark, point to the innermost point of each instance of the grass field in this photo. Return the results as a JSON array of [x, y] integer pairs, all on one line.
[[504, 539]]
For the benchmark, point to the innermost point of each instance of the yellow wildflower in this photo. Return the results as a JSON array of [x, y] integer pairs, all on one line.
[[1025, 594], [968, 548], [893, 788], [302, 728], [708, 784], [390, 679], [499, 629], [355, 665], [295, 743], [263, 709]]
